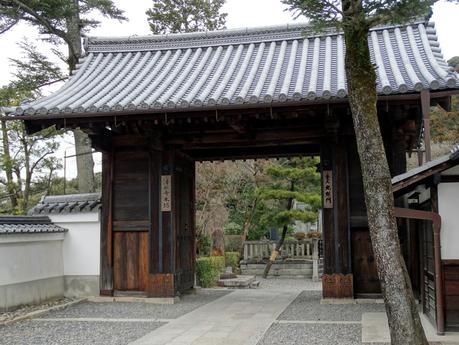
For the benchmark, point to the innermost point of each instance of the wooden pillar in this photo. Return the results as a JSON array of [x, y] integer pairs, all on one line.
[[425, 106], [337, 279], [162, 243], [106, 235], [172, 245]]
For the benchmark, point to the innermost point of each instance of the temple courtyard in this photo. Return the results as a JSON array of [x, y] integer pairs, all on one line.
[[280, 311]]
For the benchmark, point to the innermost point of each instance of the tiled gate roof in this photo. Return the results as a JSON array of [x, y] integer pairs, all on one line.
[[253, 66]]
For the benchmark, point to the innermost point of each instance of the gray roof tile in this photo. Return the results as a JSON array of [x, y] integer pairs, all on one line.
[[63, 204], [229, 67], [28, 225]]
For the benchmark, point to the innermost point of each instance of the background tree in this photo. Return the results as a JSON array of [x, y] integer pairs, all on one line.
[[174, 16], [25, 159], [63, 21], [445, 124], [292, 179], [355, 18], [454, 63]]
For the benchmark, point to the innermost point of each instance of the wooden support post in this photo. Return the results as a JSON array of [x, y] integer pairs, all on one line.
[[425, 106], [337, 278], [106, 235], [162, 246]]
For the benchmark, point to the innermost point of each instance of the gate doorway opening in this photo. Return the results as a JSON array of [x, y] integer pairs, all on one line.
[[243, 205]]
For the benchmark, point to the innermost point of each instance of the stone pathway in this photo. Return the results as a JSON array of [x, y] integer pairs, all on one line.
[[281, 311], [241, 317]]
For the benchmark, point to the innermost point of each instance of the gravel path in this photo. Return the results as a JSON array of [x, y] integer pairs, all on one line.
[[32, 332], [8, 316], [307, 307], [306, 321], [312, 334], [138, 310]]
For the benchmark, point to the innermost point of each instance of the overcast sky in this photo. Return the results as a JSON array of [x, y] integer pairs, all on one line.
[[241, 13]]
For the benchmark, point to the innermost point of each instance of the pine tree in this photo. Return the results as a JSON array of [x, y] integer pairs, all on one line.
[[293, 179], [175, 16]]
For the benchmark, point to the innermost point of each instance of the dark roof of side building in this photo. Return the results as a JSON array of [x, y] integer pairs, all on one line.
[[64, 204], [418, 175], [28, 225], [229, 68]]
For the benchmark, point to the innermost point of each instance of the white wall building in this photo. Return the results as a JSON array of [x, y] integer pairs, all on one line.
[[53, 252]]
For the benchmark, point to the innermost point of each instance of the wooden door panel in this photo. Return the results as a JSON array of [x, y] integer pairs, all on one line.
[[130, 263], [366, 279]]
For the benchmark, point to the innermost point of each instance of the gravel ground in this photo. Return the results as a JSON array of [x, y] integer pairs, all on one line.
[[26, 309], [74, 333], [138, 310], [286, 283], [307, 307], [312, 334]]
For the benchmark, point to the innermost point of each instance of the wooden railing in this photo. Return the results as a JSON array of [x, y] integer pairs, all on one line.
[[307, 249], [304, 249]]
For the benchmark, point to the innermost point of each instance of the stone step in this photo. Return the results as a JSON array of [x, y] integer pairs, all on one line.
[[280, 266], [259, 272], [240, 282]]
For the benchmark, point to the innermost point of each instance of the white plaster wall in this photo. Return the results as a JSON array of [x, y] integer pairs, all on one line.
[[81, 247], [448, 207], [28, 257]]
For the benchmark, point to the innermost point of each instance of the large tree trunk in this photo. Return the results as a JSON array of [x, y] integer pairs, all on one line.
[[275, 252], [404, 322], [85, 162], [8, 167]]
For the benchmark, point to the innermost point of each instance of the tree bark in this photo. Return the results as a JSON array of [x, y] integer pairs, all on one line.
[[85, 162], [275, 252], [404, 322], [7, 165]]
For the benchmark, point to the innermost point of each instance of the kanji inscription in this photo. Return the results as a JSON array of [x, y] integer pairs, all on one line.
[[328, 188], [166, 193]]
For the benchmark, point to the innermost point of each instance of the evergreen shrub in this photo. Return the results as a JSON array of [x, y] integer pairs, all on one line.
[[208, 270], [232, 259]]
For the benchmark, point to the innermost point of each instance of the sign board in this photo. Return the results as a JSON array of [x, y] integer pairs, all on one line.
[[166, 193], [327, 177]]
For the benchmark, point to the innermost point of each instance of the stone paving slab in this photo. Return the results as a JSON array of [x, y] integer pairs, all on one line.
[[31, 332], [375, 330], [241, 317]]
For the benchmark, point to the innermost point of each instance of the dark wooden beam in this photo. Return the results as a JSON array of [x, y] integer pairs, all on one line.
[[216, 154]]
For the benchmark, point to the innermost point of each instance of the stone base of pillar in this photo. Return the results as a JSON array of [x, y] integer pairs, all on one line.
[[337, 285], [161, 285]]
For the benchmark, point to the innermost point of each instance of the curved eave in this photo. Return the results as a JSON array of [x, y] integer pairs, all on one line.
[[272, 67], [407, 97]]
